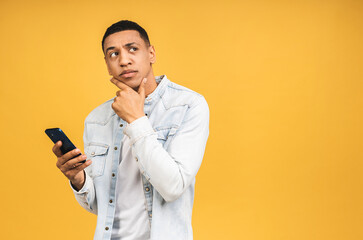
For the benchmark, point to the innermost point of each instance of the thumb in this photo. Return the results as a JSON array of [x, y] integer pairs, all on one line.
[[141, 89]]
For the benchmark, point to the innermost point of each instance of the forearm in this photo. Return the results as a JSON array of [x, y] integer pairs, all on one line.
[[161, 169], [170, 171]]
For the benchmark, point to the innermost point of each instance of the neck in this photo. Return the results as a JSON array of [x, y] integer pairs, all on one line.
[[150, 84]]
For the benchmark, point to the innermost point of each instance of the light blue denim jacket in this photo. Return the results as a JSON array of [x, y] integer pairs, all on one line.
[[168, 145]]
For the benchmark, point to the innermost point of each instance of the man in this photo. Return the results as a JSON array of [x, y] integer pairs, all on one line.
[[144, 147]]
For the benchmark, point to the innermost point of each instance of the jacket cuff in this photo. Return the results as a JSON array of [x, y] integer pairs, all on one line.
[[139, 128]]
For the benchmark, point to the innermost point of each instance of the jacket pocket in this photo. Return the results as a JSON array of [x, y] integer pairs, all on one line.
[[164, 135], [97, 152]]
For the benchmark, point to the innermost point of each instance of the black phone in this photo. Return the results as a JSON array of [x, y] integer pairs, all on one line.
[[56, 134]]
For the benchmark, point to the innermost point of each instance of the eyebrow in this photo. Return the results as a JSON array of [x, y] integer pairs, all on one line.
[[126, 45], [130, 44], [110, 48]]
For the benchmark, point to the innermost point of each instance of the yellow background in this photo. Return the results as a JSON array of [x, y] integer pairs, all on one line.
[[283, 80]]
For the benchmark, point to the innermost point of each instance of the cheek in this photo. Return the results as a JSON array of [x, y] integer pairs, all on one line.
[[111, 67], [146, 61]]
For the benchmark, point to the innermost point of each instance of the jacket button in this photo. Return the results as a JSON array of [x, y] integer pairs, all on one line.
[[110, 200], [93, 153], [137, 159], [121, 125], [106, 228], [115, 148], [147, 189], [113, 175]]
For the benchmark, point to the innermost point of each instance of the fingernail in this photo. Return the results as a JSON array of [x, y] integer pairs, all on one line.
[[77, 151], [145, 79], [111, 78]]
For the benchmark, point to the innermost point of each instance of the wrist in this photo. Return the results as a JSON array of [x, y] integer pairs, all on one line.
[[79, 180]]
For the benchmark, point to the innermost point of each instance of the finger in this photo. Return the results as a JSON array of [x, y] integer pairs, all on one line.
[[120, 84], [81, 167], [71, 173], [69, 155], [73, 163], [56, 149], [141, 89]]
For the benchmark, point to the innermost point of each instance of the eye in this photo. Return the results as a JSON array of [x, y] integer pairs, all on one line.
[[113, 54], [133, 49]]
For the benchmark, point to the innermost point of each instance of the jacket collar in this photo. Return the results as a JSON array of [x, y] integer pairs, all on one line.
[[159, 90]]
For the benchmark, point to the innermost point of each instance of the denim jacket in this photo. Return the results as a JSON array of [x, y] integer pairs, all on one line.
[[168, 145]]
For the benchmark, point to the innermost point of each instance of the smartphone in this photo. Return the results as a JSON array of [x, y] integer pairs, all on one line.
[[56, 134]]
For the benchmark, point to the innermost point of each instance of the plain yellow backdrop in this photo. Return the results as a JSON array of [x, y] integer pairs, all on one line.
[[283, 80]]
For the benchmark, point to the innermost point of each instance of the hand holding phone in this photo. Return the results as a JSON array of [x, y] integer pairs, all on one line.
[[69, 159], [56, 134]]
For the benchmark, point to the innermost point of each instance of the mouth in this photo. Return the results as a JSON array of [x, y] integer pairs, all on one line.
[[128, 73]]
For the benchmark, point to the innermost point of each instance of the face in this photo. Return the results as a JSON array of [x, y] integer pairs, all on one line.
[[128, 57]]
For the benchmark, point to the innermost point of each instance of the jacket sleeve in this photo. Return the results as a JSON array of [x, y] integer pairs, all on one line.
[[171, 171], [86, 196]]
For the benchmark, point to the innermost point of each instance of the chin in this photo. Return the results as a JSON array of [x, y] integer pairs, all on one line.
[[131, 82]]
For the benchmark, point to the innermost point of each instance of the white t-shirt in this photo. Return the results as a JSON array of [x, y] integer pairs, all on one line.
[[131, 220]]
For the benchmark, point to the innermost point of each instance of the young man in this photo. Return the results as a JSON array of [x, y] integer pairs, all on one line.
[[144, 147]]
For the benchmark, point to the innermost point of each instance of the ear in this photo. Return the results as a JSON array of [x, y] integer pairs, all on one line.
[[108, 69], [152, 54]]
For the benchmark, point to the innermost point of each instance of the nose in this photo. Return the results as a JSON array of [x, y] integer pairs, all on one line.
[[124, 59]]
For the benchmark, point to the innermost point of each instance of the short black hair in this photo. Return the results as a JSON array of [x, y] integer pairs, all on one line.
[[126, 25]]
